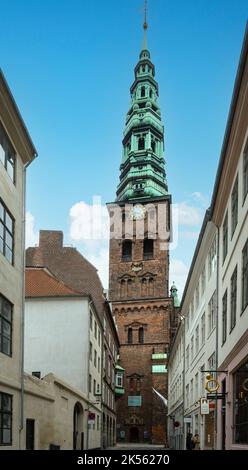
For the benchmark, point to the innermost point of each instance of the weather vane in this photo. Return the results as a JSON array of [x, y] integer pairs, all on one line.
[[145, 25]]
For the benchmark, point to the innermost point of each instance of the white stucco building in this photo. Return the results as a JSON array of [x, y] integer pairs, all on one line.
[[16, 153], [230, 214], [63, 336]]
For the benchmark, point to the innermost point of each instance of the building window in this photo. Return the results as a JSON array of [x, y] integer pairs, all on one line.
[[196, 386], [245, 172], [129, 335], [148, 249], [98, 364], [212, 258], [95, 357], [7, 153], [141, 335], [5, 326], [245, 276], [131, 385], [203, 280], [240, 405], [94, 388], [192, 390], [235, 205], [233, 299], [99, 337], [119, 379], [5, 419], [225, 237], [90, 351], [6, 233], [203, 328], [141, 143], [187, 357], [212, 313], [95, 330], [187, 396], [224, 317], [90, 383], [192, 348], [197, 339], [143, 92], [197, 296], [127, 250]]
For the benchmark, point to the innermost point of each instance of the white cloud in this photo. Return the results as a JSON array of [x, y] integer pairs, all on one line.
[[190, 235], [202, 198], [32, 236], [89, 222], [189, 215], [178, 274], [89, 230]]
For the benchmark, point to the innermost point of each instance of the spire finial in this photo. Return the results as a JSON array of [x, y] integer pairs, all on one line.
[[145, 26]]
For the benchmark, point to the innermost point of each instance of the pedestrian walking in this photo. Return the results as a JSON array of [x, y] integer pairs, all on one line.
[[196, 442], [189, 441]]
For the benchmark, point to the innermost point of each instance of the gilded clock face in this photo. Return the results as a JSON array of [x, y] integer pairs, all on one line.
[[137, 212]]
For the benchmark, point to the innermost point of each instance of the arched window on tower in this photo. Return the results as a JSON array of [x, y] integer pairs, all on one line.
[[141, 335], [143, 287], [151, 287], [129, 287], [141, 143], [153, 145], [148, 249], [123, 288], [131, 384], [150, 93], [143, 92], [127, 250], [129, 335]]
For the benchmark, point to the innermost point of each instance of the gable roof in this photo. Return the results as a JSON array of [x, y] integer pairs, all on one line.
[[40, 282], [68, 266]]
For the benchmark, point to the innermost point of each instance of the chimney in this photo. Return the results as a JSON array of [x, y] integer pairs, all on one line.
[[51, 239]]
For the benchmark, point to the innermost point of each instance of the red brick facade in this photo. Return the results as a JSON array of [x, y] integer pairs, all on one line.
[[138, 291]]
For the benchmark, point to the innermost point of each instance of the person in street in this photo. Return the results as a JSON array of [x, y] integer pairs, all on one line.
[[189, 441], [196, 442]]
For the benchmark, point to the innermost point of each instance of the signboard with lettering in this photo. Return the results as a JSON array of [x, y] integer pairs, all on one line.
[[134, 400], [204, 406]]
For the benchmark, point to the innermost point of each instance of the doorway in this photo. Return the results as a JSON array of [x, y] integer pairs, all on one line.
[[30, 426], [134, 435]]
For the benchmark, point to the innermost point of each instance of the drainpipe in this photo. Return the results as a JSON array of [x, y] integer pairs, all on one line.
[[21, 425]]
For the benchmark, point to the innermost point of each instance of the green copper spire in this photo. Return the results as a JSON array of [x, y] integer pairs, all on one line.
[[143, 167], [174, 294]]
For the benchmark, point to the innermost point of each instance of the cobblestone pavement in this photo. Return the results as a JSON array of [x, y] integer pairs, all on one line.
[[136, 447]]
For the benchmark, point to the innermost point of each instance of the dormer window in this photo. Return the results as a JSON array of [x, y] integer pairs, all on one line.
[[153, 145], [143, 92], [150, 93]]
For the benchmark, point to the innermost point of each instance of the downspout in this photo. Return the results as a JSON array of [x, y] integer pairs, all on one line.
[[23, 299]]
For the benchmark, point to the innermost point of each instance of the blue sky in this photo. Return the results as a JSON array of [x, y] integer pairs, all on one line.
[[70, 64]]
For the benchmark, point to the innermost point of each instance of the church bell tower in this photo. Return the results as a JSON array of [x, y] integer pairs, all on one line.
[[139, 262]]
